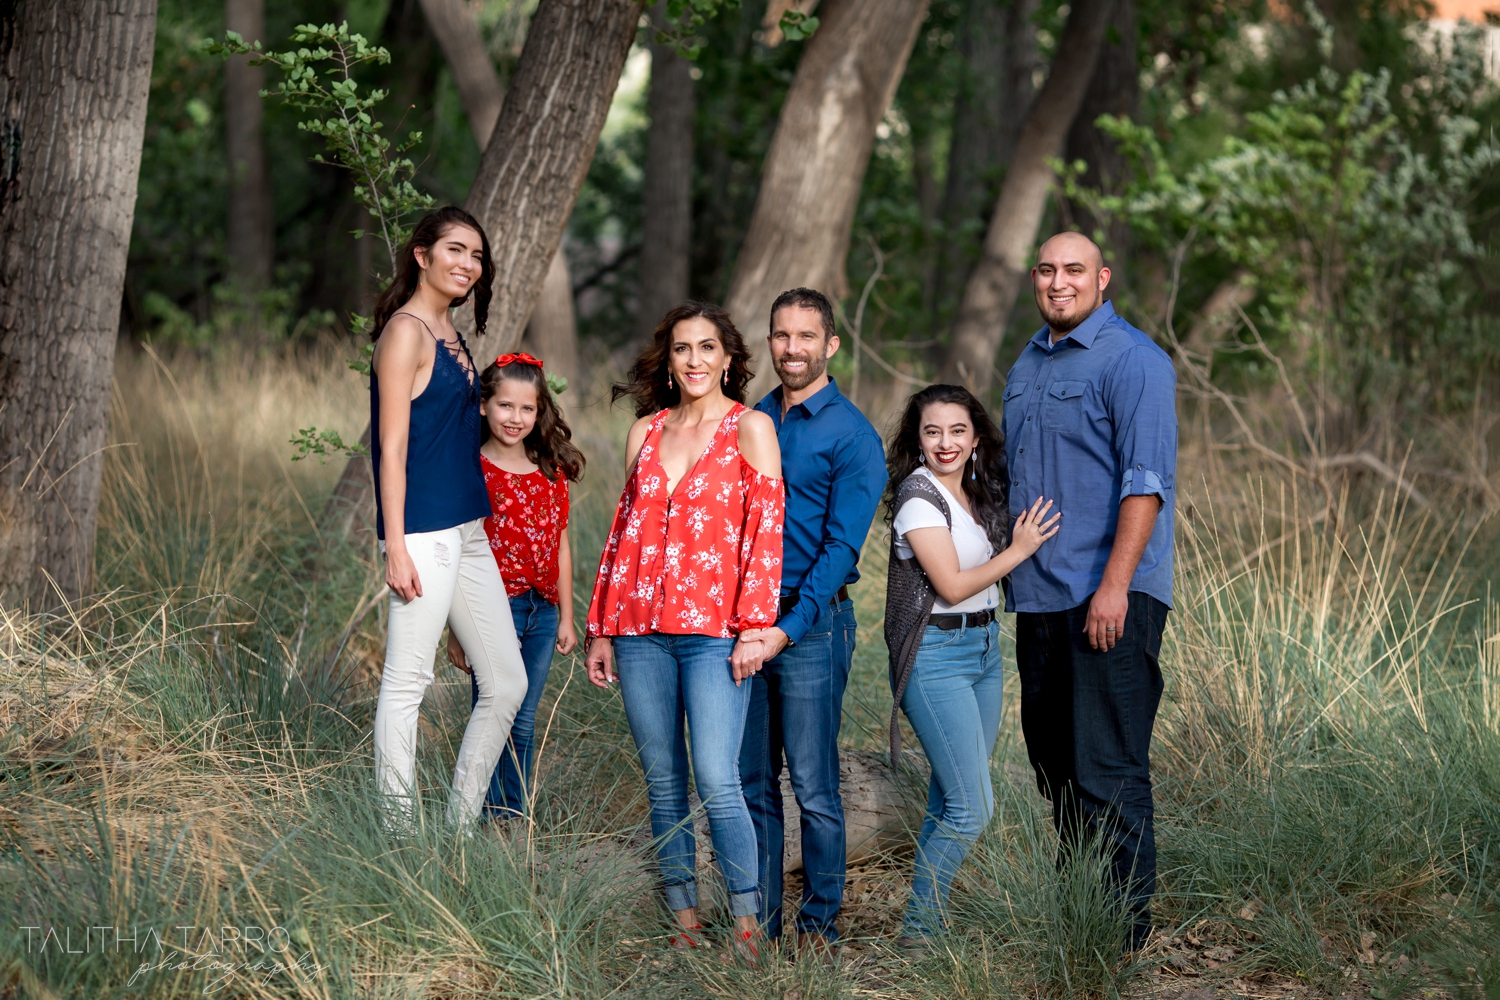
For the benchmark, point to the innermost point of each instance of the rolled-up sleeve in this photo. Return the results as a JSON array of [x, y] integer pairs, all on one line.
[[858, 480], [1141, 393]]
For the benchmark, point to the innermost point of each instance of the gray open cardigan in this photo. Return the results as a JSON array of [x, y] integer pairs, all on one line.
[[909, 595]]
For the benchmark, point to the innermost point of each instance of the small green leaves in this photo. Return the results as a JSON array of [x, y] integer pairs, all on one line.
[[556, 384], [796, 25], [336, 111], [325, 444]]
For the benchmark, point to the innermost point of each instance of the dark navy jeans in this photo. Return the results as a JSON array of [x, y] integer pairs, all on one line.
[[1087, 717], [796, 704], [510, 785]]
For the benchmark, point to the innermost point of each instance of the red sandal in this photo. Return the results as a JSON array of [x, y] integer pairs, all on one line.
[[687, 938]]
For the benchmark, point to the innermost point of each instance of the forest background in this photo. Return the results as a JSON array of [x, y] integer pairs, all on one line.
[[1299, 203]]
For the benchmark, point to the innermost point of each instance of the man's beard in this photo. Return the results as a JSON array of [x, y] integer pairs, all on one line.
[[816, 365], [1069, 323]]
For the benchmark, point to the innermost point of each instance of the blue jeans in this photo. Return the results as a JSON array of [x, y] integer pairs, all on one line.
[[536, 627], [664, 681], [953, 702], [796, 704], [1088, 717]]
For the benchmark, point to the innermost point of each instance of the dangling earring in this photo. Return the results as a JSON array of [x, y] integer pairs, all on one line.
[[974, 464], [669, 381], [922, 458], [726, 376]]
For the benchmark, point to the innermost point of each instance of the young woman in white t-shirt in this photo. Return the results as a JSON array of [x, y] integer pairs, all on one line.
[[948, 453]]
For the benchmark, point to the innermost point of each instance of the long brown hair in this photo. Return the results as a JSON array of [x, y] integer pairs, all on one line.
[[550, 443], [989, 488], [409, 275], [647, 383]]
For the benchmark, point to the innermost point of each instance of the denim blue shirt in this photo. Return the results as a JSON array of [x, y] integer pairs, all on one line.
[[1089, 421], [834, 469]]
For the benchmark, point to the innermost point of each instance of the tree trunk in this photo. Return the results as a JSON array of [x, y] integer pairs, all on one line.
[[252, 217], [992, 288], [998, 53], [74, 76], [551, 333], [1114, 89], [536, 160], [533, 167], [667, 202], [452, 22], [799, 233]]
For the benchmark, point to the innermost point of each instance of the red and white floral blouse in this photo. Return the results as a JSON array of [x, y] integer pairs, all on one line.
[[703, 561], [526, 528]]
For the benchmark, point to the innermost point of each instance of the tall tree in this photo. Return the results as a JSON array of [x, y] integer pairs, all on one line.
[[251, 242], [457, 32], [539, 152], [992, 287], [997, 51], [74, 76], [1114, 89], [529, 178], [799, 234], [667, 201]]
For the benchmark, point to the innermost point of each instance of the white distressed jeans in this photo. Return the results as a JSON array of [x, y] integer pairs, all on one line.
[[460, 586]]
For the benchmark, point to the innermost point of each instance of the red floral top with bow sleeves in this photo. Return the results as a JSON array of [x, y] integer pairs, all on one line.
[[705, 560]]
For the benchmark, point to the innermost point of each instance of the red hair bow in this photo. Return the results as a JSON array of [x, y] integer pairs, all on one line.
[[522, 358]]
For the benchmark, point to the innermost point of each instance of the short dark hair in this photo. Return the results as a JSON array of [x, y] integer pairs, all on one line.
[[805, 298]]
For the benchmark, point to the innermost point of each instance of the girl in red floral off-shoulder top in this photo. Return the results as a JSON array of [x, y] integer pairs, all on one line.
[[693, 559]]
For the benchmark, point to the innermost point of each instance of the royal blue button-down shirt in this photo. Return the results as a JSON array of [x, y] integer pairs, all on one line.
[[1089, 421], [834, 470]]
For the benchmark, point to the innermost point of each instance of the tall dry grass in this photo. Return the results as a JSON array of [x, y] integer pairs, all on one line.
[[177, 759]]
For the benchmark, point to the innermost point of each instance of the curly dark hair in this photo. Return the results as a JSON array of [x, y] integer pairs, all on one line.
[[988, 492], [550, 443], [647, 383], [408, 275]]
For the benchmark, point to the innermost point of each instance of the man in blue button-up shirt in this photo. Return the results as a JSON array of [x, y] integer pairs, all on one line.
[[1091, 421], [834, 469]]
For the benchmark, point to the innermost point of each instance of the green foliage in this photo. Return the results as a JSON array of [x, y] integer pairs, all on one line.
[[319, 81], [325, 444], [1352, 221]]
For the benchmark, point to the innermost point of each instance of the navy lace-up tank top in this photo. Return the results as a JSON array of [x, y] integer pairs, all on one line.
[[444, 482]]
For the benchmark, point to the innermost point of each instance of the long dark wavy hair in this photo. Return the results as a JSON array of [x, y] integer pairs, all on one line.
[[550, 443], [647, 383], [403, 286], [988, 491]]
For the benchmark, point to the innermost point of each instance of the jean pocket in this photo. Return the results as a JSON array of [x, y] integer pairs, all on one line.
[[936, 638]]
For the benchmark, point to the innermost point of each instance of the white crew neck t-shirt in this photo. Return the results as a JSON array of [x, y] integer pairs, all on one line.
[[969, 539]]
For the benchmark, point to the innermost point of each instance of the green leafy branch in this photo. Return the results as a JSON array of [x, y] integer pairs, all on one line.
[[318, 78], [685, 17], [325, 444]]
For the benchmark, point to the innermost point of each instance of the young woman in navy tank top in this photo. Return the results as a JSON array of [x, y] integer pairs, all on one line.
[[431, 503]]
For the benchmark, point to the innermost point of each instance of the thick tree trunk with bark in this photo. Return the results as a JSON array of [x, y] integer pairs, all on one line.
[[457, 32], [74, 76], [1114, 89], [251, 243], [667, 202], [799, 233], [992, 288], [535, 161], [998, 52]]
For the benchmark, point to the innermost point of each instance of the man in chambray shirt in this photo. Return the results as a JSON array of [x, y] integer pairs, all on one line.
[[1091, 422]]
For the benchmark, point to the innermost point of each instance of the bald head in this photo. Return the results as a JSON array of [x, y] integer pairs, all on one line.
[[1072, 245], [1069, 281]]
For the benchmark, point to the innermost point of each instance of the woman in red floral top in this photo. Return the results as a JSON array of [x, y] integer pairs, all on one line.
[[693, 559], [528, 458]]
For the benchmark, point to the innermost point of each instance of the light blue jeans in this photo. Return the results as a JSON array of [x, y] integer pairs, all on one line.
[[953, 703], [666, 680]]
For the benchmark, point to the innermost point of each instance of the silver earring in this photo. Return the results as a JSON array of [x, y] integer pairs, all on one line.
[[669, 381], [922, 458], [974, 464]]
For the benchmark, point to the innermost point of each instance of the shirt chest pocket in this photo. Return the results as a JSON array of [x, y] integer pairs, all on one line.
[[1014, 401], [1063, 409]]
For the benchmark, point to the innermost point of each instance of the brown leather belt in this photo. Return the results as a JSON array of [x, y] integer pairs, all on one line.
[[789, 601], [972, 619]]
